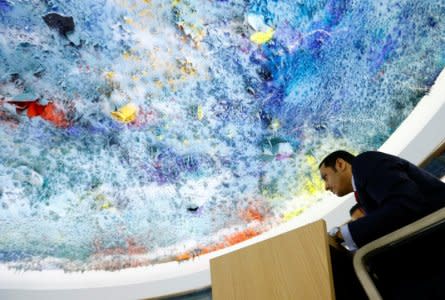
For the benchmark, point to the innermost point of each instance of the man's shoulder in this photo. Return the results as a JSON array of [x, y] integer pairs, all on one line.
[[367, 155], [367, 161]]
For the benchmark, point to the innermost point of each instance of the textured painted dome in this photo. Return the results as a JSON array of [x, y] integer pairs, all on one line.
[[138, 132]]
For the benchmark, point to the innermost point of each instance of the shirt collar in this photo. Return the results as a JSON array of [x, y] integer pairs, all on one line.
[[353, 184]]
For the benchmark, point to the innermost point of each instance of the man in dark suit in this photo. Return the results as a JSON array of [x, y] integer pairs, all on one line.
[[393, 193]]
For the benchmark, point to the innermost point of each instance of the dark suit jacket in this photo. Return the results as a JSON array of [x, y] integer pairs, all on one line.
[[393, 192]]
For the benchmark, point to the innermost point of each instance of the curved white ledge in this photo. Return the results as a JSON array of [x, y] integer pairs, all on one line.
[[419, 135]]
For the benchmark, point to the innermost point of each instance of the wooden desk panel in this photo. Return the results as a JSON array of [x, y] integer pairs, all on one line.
[[294, 265]]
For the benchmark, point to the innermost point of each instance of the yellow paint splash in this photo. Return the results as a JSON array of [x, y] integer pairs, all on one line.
[[200, 113], [292, 214], [109, 75], [262, 37], [275, 124], [313, 183], [126, 113]]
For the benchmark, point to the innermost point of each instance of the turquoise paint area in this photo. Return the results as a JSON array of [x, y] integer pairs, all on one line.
[[224, 125]]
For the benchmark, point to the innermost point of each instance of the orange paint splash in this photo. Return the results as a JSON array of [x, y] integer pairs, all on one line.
[[230, 240], [49, 112]]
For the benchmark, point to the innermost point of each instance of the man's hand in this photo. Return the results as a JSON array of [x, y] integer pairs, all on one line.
[[339, 235], [336, 233], [336, 236], [335, 239]]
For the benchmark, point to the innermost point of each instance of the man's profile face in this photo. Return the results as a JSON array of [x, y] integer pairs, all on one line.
[[335, 180]]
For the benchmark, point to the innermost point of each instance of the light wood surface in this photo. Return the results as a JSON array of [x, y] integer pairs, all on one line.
[[294, 265]]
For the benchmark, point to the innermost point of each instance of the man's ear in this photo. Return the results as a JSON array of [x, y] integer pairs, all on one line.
[[340, 164]]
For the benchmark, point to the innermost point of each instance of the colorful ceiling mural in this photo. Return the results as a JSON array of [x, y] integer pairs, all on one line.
[[135, 132]]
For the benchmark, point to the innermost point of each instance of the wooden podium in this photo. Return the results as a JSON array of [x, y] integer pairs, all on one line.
[[293, 265]]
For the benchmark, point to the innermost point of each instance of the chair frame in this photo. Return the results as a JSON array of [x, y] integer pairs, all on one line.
[[407, 232]]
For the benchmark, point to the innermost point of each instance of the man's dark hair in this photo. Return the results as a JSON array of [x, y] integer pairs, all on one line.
[[329, 161]]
